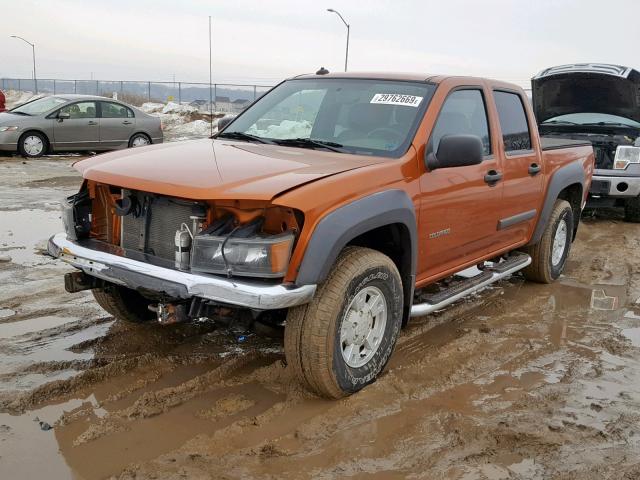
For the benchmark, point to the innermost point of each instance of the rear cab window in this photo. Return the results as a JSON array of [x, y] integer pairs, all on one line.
[[516, 134], [464, 112]]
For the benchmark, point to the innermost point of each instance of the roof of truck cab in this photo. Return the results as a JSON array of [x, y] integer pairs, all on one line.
[[404, 77]]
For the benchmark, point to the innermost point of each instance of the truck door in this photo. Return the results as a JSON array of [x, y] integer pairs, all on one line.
[[459, 206], [522, 168]]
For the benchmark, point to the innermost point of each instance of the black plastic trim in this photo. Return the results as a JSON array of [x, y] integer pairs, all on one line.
[[340, 226], [515, 219], [561, 179]]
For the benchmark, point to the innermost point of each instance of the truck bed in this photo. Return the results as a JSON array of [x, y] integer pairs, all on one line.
[[554, 143]]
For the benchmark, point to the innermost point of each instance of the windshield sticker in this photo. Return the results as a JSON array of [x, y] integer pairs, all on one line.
[[396, 99]]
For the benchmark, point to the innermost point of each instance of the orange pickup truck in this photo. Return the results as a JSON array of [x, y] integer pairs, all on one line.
[[335, 204]]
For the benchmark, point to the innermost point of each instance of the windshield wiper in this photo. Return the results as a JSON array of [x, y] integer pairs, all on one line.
[[610, 124], [310, 143], [558, 122], [19, 113], [243, 136]]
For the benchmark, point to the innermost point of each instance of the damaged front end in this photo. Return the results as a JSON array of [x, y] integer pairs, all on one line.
[[599, 103], [189, 257]]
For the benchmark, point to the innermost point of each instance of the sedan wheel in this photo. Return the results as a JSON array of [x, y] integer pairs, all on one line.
[[32, 145], [139, 140]]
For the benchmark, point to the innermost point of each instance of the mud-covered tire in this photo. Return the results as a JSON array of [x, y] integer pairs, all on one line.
[[33, 145], [543, 268], [632, 210], [312, 338], [124, 303]]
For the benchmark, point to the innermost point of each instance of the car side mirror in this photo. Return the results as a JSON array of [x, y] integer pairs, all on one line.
[[456, 151], [224, 121], [63, 116]]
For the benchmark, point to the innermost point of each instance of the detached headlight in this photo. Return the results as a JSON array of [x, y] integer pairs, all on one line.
[[8, 129], [626, 155], [266, 257]]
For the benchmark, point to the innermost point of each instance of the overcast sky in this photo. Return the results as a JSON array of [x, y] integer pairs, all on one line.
[[265, 41]]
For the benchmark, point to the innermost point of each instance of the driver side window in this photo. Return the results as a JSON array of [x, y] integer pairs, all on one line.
[[463, 112], [80, 110]]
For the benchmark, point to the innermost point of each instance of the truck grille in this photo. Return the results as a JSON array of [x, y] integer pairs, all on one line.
[[165, 216]]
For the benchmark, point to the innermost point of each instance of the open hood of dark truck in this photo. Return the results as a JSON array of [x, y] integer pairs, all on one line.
[[586, 88]]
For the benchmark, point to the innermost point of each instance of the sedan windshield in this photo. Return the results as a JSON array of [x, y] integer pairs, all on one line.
[[369, 117], [597, 119], [40, 106]]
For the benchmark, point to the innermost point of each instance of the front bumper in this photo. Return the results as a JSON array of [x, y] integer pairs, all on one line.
[[113, 264], [9, 141], [615, 186]]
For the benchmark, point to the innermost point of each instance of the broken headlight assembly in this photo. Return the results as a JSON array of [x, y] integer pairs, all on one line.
[[259, 256], [241, 251], [626, 155]]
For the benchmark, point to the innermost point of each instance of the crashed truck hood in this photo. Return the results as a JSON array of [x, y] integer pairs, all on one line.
[[217, 169], [612, 90]]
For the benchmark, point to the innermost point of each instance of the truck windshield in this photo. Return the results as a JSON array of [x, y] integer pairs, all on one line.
[[40, 106], [360, 116], [597, 119]]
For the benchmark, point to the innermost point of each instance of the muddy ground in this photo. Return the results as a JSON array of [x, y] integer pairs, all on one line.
[[523, 381]]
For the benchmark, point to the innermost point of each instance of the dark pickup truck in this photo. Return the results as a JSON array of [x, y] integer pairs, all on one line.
[[599, 103]]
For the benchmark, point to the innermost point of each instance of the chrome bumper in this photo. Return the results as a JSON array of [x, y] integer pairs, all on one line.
[[621, 186], [112, 267]]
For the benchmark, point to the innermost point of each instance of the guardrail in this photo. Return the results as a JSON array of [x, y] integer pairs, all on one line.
[[224, 97]]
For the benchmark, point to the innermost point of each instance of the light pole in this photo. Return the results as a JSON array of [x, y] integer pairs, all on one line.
[[33, 48], [346, 57]]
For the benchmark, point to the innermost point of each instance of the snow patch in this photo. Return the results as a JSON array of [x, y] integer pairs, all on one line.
[[285, 129]]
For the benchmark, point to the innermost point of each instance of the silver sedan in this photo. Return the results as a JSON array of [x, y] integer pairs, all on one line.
[[76, 123]]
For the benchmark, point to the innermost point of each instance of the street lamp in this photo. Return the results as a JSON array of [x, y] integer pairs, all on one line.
[[33, 48], [346, 57]]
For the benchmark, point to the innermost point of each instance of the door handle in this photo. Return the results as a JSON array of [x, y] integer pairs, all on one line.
[[91, 122], [126, 122], [492, 177], [534, 169]]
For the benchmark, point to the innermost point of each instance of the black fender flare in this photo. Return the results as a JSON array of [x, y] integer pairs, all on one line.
[[342, 225], [561, 179]]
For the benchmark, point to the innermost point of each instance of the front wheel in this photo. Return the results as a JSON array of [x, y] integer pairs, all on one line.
[[32, 145], [124, 303], [549, 255], [343, 339], [139, 140]]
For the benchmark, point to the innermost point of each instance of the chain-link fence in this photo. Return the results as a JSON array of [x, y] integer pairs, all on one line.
[[231, 98]]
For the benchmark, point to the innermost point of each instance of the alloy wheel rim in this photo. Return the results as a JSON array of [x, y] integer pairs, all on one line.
[[33, 145], [363, 326], [140, 141], [559, 243]]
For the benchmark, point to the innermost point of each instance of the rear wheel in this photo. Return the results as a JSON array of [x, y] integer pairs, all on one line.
[[632, 210], [343, 339], [33, 145], [124, 303], [549, 255], [139, 140]]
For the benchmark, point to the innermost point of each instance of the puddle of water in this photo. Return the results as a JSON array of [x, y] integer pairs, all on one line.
[[27, 450], [632, 334], [13, 329], [24, 231]]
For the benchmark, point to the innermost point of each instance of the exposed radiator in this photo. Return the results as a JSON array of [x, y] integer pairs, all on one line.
[[165, 216]]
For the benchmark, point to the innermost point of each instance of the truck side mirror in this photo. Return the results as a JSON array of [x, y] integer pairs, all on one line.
[[456, 151], [224, 121]]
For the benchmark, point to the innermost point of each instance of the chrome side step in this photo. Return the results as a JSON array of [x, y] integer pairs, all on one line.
[[492, 273]]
